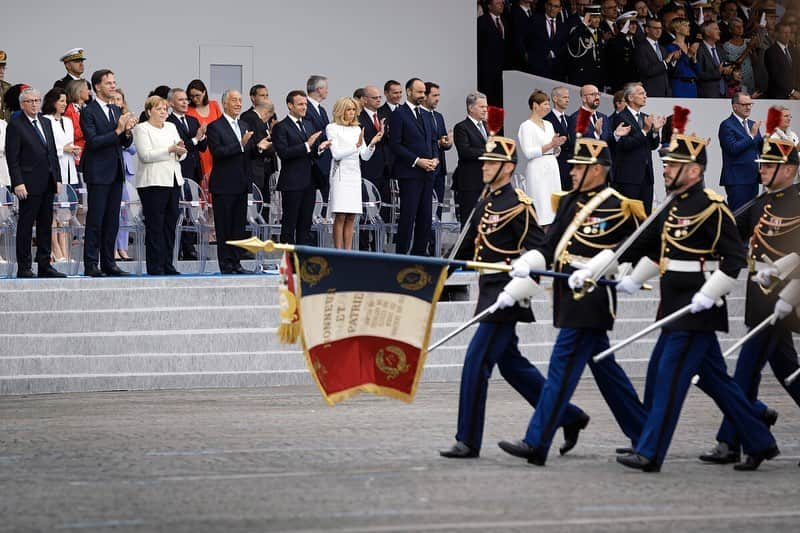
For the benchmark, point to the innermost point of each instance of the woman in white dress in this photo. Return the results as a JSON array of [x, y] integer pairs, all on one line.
[[53, 107], [347, 146], [540, 146]]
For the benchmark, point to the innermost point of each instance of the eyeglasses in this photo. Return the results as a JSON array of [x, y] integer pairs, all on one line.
[[33, 101], [745, 105]]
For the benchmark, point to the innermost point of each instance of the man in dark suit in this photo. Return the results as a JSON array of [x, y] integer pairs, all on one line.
[[652, 61], [317, 116], [375, 168], [74, 63], [264, 166], [193, 136], [35, 175], [545, 42], [297, 146], [413, 141], [558, 118], [710, 59], [599, 126], [779, 63], [740, 142], [520, 17], [107, 131], [393, 92], [491, 52], [470, 136], [636, 135], [442, 141], [233, 147]]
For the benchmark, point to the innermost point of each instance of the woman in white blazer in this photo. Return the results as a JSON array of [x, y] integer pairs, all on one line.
[[158, 180], [53, 107], [5, 179]]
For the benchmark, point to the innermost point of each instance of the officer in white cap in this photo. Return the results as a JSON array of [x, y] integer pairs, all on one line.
[[74, 63]]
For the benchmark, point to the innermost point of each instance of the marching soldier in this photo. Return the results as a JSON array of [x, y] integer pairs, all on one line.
[[590, 220], [503, 226], [771, 225], [695, 248]]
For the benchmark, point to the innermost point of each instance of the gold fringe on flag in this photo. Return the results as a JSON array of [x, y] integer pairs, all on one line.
[[289, 328]]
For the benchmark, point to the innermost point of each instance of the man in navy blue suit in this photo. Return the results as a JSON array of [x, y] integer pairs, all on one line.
[[376, 169], [317, 87], [470, 137], [413, 142], [298, 145], [636, 135], [558, 118], [107, 131], [740, 142], [35, 175], [545, 42], [443, 143]]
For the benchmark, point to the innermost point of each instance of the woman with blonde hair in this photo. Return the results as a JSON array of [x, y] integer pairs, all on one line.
[[158, 179], [347, 145]]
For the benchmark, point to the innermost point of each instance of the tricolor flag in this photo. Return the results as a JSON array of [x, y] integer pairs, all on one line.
[[365, 319]]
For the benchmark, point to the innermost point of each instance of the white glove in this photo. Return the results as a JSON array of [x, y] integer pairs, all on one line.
[[503, 301], [578, 278], [764, 276], [628, 285], [701, 302], [520, 269], [782, 310]]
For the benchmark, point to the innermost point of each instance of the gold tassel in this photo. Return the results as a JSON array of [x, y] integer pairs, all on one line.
[[289, 328]]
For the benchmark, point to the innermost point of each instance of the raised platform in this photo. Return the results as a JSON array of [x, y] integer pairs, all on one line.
[[83, 334]]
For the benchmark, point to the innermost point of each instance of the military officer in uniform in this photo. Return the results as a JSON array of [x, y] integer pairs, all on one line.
[[4, 85], [503, 227], [585, 47], [74, 63], [695, 247], [590, 220], [771, 225]]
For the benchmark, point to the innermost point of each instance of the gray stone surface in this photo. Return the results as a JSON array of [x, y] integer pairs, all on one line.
[[279, 459]]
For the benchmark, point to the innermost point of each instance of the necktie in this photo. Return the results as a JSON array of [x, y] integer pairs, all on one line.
[[236, 130], [527, 13], [564, 123], [788, 54], [594, 36], [552, 25], [499, 26], [482, 129], [111, 117], [302, 129], [416, 112], [746, 127], [640, 120], [714, 55], [39, 132], [658, 51], [592, 120], [324, 115], [375, 122], [433, 121], [185, 124]]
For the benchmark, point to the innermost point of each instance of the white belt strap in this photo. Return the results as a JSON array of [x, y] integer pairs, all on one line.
[[682, 265]]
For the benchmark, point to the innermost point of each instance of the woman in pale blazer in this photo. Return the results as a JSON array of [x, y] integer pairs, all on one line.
[[53, 107], [158, 179]]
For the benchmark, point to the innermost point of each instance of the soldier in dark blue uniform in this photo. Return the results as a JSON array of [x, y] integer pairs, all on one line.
[[695, 247], [771, 225], [503, 227], [590, 220], [586, 50]]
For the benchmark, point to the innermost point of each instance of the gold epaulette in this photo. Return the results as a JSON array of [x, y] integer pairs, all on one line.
[[713, 195], [555, 199], [630, 206], [523, 198]]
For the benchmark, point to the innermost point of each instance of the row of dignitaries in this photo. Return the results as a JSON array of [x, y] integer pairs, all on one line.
[[35, 177], [684, 242]]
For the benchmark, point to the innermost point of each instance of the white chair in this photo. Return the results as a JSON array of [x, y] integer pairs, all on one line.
[[8, 231], [194, 217], [131, 219]]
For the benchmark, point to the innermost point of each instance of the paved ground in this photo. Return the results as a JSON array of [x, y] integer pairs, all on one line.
[[281, 460]]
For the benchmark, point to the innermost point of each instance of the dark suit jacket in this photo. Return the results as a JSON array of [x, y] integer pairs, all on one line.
[[470, 145], [568, 147], [385, 112], [101, 160], [607, 134], [779, 72], [296, 161], [375, 168], [708, 75], [540, 48], [491, 58], [633, 153], [652, 72], [439, 130], [519, 32], [410, 140], [232, 171], [739, 152], [318, 123], [190, 166], [30, 162], [62, 84], [621, 65], [267, 163]]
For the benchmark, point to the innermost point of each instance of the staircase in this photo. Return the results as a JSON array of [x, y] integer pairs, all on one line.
[[83, 334]]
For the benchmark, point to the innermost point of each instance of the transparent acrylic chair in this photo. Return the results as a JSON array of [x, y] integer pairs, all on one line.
[[322, 222], [8, 231], [194, 217], [131, 219], [370, 219], [446, 223], [65, 214], [256, 224]]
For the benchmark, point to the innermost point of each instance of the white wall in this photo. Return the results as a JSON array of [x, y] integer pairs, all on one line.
[[706, 115], [151, 42]]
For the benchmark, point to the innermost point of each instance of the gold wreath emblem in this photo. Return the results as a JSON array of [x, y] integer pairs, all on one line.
[[391, 361], [314, 269], [287, 304], [413, 278]]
